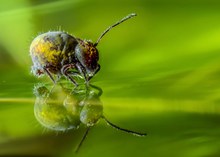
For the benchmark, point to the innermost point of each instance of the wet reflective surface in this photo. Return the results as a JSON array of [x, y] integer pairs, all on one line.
[[63, 109], [159, 74]]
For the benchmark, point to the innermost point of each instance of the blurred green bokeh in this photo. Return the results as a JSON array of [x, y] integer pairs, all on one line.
[[160, 74]]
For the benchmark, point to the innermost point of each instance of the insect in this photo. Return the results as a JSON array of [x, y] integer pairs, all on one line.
[[61, 54], [64, 109]]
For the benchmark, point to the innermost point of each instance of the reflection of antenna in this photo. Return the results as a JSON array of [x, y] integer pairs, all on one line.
[[112, 26], [125, 130], [81, 142]]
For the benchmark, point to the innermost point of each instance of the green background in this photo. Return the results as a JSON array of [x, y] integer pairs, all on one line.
[[159, 74]]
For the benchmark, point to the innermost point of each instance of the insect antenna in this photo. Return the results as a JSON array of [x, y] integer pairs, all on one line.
[[81, 142], [122, 129], [112, 26]]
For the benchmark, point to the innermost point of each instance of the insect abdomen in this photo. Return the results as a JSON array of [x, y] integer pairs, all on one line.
[[52, 49]]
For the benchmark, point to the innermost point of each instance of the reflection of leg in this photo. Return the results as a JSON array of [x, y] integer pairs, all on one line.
[[122, 129], [98, 89], [70, 78], [84, 137], [65, 71], [51, 77]]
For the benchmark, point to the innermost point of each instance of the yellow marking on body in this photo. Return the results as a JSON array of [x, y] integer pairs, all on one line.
[[43, 49], [91, 51]]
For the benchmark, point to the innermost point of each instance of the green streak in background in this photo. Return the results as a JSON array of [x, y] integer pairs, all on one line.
[[159, 74]]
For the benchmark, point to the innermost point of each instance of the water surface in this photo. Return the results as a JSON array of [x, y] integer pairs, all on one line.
[[159, 74]]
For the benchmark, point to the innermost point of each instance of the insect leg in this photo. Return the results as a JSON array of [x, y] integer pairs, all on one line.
[[97, 70], [82, 71], [65, 71], [50, 75]]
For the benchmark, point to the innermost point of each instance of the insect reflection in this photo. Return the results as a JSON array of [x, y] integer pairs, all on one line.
[[62, 109]]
